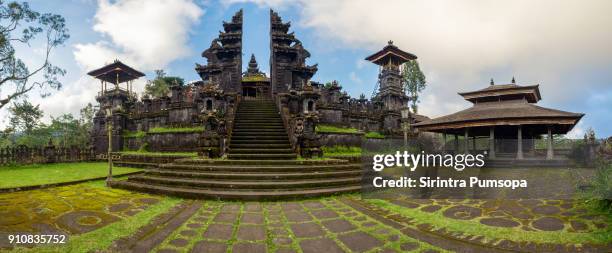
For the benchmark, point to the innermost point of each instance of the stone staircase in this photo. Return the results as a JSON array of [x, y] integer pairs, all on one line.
[[259, 133], [261, 166], [248, 179]]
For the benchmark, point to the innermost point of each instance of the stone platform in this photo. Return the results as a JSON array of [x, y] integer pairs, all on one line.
[[248, 179]]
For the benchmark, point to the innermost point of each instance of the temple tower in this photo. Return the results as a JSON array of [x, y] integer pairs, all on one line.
[[224, 56], [288, 69], [117, 99], [255, 84], [391, 91]]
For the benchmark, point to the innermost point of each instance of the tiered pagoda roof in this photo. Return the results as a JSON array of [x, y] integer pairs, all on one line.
[[283, 46], [507, 104], [390, 53], [116, 72], [253, 74]]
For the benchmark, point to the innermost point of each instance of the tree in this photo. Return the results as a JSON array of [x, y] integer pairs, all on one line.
[[21, 25], [414, 82], [25, 117], [86, 116], [160, 86]]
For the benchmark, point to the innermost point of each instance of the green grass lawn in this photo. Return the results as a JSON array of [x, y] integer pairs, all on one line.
[[39, 174], [161, 130], [322, 128]]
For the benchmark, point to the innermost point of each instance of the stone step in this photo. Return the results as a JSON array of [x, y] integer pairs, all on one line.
[[278, 133], [256, 109], [261, 156], [244, 184], [259, 145], [236, 175], [226, 194], [254, 128], [256, 117], [278, 124], [261, 151], [261, 130], [203, 161], [256, 124], [232, 142], [259, 168], [262, 133], [255, 114], [259, 137], [259, 120]]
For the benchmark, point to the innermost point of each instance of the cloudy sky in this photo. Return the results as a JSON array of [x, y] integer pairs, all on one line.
[[562, 45]]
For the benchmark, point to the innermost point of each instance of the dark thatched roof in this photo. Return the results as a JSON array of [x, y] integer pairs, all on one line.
[[116, 71], [390, 51], [502, 113], [530, 92]]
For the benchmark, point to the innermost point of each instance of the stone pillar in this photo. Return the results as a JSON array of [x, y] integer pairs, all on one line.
[[456, 143], [466, 139], [492, 142], [549, 152], [474, 143], [519, 143], [443, 142]]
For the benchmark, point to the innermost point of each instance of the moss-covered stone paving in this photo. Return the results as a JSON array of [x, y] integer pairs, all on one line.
[[318, 225], [344, 223], [68, 210]]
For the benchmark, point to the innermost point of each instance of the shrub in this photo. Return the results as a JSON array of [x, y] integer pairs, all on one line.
[[600, 188], [134, 134], [144, 147], [341, 150], [374, 135]]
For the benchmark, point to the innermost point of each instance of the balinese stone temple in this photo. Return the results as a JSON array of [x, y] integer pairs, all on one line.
[[258, 125], [219, 108]]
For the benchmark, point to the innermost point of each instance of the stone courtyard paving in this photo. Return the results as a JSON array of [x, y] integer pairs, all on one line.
[[345, 223], [68, 210], [318, 225]]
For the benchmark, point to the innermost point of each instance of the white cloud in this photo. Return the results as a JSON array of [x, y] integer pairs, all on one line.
[[360, 63], [353, 76], [146, 33], [577, 132], [553, 43]]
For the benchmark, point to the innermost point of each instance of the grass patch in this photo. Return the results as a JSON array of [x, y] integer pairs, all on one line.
[[39, 174], [322, 128], [438, 220], [134, 134], [162, 130], [374, 135], [340, 150], [148, 153], [103, 237]]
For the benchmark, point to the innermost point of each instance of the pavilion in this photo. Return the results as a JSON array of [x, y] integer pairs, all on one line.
[[508, 116], [116, 73]]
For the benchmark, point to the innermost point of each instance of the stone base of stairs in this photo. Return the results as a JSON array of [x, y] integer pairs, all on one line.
[[248, 179]]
